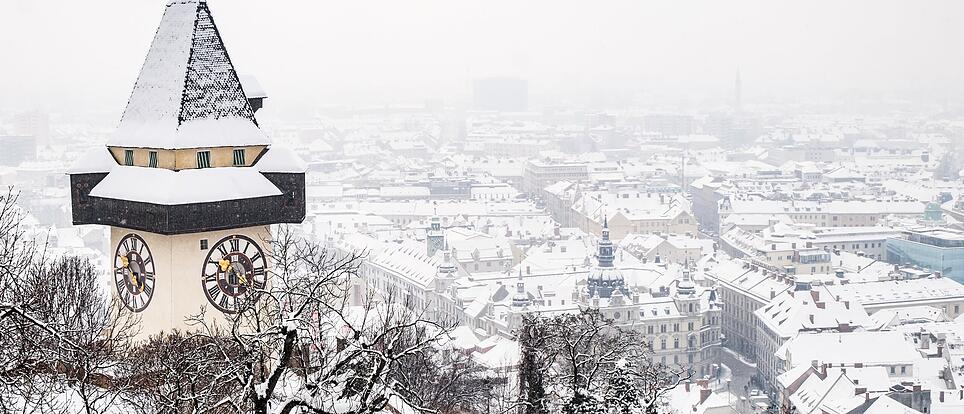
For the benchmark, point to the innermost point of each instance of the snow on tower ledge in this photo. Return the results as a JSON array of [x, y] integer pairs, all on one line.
[[188, 94]]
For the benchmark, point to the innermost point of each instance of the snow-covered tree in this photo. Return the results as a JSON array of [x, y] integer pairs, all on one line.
[[62, 341], [301, 347], [622, 391], [583, 362]]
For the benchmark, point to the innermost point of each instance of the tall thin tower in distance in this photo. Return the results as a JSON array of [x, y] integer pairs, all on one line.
[[738, 92]]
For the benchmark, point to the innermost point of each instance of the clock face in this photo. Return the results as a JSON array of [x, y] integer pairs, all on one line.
[[134, 272], [234, 273]]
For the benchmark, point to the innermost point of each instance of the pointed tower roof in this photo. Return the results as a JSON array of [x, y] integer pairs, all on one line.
[[188, 94]]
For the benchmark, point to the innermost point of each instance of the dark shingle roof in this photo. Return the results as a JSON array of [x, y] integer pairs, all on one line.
[[187, 77]]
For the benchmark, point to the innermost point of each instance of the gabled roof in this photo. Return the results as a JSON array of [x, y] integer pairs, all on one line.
[[188, 94]]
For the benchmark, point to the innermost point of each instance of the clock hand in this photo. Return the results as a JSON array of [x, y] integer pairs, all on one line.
[[126, 264]]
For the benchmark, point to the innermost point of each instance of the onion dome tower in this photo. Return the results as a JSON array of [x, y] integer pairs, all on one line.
[[188, 182], [605, 277], [447, 271], [520, 299]]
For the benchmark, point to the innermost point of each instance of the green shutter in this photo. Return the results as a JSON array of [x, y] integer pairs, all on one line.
[[239, 157], [204, 159]]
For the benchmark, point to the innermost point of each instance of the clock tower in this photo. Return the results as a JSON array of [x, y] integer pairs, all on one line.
[[188, 183]]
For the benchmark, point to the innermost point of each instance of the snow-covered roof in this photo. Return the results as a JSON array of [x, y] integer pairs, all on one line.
[[252, 88], [791, 312], [167, 187], [188, 94], [96, 160], [867, 347], [278, 159]]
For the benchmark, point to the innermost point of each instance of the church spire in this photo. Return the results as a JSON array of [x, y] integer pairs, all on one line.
[[434, 236], [605, 255]]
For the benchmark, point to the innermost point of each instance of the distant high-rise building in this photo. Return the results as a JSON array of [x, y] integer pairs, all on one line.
[[17, 149], [669, 125], [500, 94], [738, 92], [35, 123]]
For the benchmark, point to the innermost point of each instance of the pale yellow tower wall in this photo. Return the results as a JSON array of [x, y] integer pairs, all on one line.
[[185, 159], [178, 261]]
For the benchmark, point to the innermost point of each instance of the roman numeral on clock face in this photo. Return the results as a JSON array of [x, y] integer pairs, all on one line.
[[134, 270], [228, 287], [214, 291]]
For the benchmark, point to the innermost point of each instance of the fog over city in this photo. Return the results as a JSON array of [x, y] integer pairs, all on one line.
[[499, 207], [307, 52]]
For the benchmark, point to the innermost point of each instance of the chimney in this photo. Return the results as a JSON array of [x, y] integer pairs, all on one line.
[[940, 351], [942, 396], [823, 371], [811, 318], [821, 305], [846, 304], [686, 385], [704, 394], [861, 390], [816, 295], [773, 293]]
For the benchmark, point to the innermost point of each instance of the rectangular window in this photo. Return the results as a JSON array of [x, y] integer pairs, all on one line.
[[128, 157], [204, 244], [152, 159], [239, 157], [204, 159]]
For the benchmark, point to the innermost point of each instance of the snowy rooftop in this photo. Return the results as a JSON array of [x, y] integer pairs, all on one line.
[[904, 292], [96, 160], [791, 312], [188, 94], [869, 348], [167, 187]]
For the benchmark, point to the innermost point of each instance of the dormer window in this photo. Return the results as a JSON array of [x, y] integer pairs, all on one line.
[[152, 159], [239, 157], [204, 159], [128, 157]]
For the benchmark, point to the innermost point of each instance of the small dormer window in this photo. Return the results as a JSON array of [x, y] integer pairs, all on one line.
[[239, 157], [128, 157], [152, 159], [204, 159]]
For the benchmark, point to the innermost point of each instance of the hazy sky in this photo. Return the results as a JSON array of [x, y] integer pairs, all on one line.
[[90, 52]]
